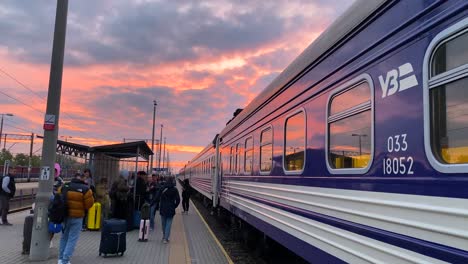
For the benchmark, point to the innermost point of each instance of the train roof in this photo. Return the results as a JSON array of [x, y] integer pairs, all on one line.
[[341, 27]]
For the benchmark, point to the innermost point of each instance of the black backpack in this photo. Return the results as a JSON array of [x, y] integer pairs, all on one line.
[[11, 186], [58, 209]]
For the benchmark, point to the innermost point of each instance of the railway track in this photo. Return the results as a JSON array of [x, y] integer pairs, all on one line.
[[242, 243]]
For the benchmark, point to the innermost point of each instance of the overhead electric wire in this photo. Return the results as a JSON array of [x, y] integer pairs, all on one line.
[[36, 94], [21, 102], [19, 128], [22, 84]]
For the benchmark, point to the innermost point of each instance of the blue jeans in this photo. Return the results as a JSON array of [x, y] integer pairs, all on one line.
[[166, 226], [69, 238], [152, 215]]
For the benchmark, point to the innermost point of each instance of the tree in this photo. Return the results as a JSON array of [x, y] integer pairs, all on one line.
[[21, 160], [5, 155], [36, 161]]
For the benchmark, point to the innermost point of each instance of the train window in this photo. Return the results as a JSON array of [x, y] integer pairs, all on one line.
[[266, 150], [446, 83], [294, 142], [349, 127], [231, 160], [239, 157], [236, 158], [248, 154]]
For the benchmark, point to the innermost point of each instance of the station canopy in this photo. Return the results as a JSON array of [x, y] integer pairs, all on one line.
[[119, 151]]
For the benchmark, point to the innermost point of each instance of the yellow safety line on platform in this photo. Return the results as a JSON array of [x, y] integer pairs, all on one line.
[[174, 247], [188, 259], [213, 235]]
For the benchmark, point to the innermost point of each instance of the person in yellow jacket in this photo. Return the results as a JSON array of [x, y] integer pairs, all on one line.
[[79, 198]]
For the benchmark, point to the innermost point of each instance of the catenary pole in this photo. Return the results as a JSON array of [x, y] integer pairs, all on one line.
[[40, 236], [152, 135], [30, 156], [164, 152], [160, 145]]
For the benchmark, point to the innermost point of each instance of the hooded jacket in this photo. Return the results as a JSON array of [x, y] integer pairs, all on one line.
[[168, 199], [79, 198]]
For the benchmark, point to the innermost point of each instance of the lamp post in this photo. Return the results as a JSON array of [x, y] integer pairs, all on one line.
[[1, 125], [360, 146], [160, 143], [152, 135]]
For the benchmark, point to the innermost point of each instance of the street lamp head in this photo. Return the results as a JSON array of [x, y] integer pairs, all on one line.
[[154, 102]]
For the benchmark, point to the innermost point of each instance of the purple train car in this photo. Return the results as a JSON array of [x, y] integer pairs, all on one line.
[[358, 151]]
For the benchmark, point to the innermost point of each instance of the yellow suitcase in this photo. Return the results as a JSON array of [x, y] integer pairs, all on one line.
[[94, 217]]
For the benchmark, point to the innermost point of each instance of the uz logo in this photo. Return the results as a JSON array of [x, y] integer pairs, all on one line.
[[398, 80]]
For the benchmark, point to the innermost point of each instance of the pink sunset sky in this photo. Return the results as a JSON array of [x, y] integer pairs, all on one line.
[[200, 60]]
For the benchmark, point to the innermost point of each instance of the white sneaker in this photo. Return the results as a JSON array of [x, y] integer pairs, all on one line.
[[51, 246]]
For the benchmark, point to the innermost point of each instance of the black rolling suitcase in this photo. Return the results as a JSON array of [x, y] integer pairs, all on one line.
[[113, 237], [27, 233]]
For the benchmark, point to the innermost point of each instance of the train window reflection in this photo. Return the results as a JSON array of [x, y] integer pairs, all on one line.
[[350, 128], [231, 160], [266, 150], [238, 157], [449, 102], [450, 55], [248, 155], [294, 147], [350, 145], [350, 98]]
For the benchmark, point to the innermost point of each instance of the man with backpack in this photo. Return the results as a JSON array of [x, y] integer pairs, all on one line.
[[6, 193], [78, 198], [168, 199]]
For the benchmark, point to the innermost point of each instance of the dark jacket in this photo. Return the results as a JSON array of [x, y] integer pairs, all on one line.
[[187, 190], [8, 182], [168, 199], [119, 190], [153, 191]]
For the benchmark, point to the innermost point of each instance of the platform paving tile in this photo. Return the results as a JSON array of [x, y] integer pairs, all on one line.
[[87, 248], [191, 243]]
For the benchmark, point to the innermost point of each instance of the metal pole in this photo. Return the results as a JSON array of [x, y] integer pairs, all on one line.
[[160, 145], [40, 235], [4, 142], [360, 148], [164, 152], [135, 179], [30, 157], [152, 135], [1, 131]]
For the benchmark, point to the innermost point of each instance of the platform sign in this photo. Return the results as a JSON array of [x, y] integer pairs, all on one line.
[[45, 173], [160, 169], [49, 122]]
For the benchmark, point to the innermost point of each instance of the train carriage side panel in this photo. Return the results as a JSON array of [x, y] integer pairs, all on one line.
[[395, 208]]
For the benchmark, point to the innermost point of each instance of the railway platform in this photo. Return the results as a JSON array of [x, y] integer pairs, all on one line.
[[191, 242]]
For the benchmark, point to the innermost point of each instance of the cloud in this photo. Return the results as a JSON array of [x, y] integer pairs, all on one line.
[[200, 60]]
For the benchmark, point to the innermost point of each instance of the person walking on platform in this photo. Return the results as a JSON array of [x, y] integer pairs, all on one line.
[[102, 197], [79, 198], [118, 195], [153, 189], [58, 180], [168, 199], [140, 190], [6, 193], [58, 183], [88, 180], [186, 192]]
